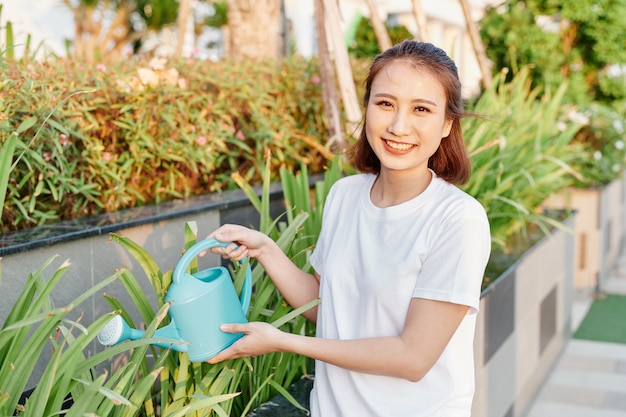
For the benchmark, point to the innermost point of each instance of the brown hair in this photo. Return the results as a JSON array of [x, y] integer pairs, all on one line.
[[450, 161]]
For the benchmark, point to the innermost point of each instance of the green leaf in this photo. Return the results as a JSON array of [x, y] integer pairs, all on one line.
[[295, 313], [137, 295], [26, 124], [146, 262], [58, 126], [6, 157], [116, 398], [281, 390], [198, 404]]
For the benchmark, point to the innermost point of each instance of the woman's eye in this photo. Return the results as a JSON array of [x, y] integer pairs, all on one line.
[[420, 109], [384, 103]]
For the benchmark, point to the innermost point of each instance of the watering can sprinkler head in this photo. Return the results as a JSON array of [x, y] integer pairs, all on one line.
[[199, 304], [117, 330]]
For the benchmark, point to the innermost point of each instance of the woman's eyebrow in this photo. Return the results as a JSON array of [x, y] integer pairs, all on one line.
[[417, 100]]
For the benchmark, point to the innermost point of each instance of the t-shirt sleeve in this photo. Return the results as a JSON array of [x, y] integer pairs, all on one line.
[[454, 267]]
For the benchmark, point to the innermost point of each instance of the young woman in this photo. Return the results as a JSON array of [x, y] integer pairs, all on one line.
[[400, 259]]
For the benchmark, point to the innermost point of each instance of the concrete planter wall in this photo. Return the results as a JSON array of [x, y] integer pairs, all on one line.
[[524, 321], [599, 230], [93, 257]]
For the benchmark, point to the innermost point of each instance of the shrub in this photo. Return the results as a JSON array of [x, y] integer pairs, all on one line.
[[602, 143], [365, 44], [136, 134], [521, 151], [581, 45]]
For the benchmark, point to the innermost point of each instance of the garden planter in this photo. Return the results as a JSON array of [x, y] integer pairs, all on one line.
[[599, 227], [525, 311], [524, 320], [523, 323], [85, 242]]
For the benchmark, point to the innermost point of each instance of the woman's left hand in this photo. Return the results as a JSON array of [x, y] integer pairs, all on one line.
[[259, 338]]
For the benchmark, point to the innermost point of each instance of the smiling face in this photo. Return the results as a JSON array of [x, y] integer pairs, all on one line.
[[405, 118]]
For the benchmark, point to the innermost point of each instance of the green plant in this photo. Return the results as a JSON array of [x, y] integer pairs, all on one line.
[[579, 41], [246, 383], [522, 152], [32, 325], [365, 45], [581, 45], [69, 382], [219, 17], [127, 144], [8, 51], [299, 198], [45, 181], [602, 144], [6, 165]]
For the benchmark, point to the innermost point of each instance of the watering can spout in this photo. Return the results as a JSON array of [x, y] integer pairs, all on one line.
[[117, 330], [171, 333]]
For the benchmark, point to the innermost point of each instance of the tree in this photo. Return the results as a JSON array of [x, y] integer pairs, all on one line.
[[479, 49], [184, 13], [579, 43], [384, 41], [104, 27], [254, 29], [578, 40], [328, 33], [330, 96], [420, 20]]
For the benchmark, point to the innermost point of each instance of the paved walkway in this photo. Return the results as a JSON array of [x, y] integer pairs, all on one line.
[[589, 379]]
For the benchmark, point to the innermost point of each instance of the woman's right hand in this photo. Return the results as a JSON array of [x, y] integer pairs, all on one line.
[[246, 242], [298, 287]]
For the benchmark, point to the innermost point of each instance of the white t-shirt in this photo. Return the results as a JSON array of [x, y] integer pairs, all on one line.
[[372, 262]]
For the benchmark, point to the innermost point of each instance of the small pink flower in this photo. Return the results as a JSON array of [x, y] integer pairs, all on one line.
[[63, 140], [201, 141], [47, 156], [102, 68], [106, 156], [316, 79], [240, 135]]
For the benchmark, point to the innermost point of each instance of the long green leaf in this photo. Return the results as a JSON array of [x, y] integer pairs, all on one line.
[[198, 404], [25, 299], [110, 394], [6, 166], [295, 313], [287, 395], [88, 400], [146, 262], [137, 295], [141, 390]]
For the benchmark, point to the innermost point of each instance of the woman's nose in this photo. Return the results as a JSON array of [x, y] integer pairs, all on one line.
[[399, 126]]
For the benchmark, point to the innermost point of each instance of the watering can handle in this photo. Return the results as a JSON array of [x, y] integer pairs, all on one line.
[[201, 246]]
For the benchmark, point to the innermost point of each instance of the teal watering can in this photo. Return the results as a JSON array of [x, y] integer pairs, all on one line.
[[199, 304]]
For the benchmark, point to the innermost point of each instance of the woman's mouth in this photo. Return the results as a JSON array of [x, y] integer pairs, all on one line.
[[398, 145]]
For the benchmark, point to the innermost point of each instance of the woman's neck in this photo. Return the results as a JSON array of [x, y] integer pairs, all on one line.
[[390, 189]]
